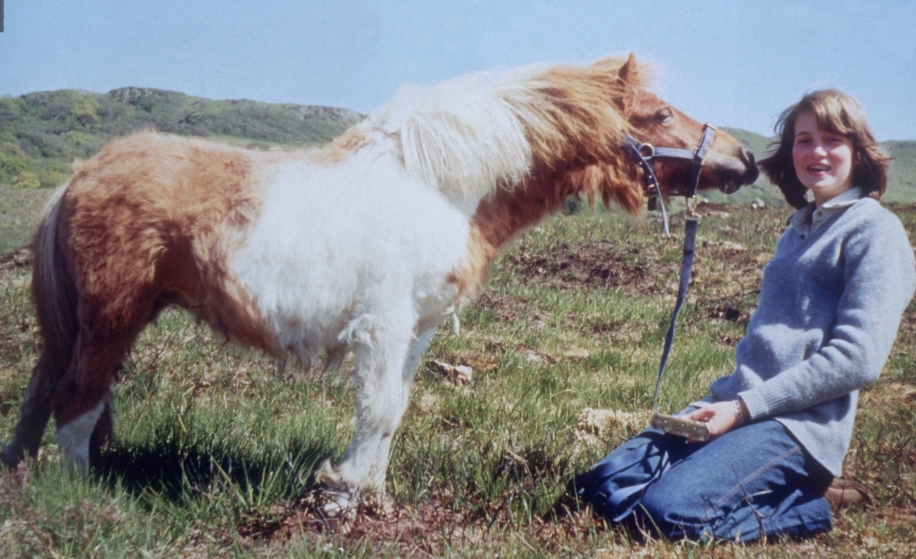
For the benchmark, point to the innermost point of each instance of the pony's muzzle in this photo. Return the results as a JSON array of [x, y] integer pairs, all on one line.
[[748, 176]]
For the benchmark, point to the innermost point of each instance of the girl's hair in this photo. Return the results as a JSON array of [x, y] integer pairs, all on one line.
[[838, 113]]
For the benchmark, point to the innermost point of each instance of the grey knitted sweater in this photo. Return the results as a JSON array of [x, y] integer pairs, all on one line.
[[830, 305]]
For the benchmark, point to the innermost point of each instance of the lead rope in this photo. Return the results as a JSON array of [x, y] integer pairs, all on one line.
[[690, 237], [670, 424]]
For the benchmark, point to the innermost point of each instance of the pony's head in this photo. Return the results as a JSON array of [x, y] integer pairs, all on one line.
[[728, 165], [601, 168]]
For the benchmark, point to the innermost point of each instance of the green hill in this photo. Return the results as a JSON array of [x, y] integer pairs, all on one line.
[[763, 189], [902, 186], [42, 133]]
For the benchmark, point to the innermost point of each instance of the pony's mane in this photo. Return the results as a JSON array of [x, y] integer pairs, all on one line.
[[471, 134]]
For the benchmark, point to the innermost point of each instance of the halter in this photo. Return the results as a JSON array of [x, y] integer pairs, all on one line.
[[644, 154]]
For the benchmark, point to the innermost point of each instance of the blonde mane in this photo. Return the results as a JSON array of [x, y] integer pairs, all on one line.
[[476, 132]]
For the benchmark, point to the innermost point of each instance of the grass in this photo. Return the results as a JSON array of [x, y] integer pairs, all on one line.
[[214, 452], [19, 212]]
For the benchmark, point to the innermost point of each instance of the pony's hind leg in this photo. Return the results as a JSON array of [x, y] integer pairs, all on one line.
[[82, 400], [33, 418]]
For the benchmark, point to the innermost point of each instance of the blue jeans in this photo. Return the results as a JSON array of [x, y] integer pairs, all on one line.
[[753, 481]]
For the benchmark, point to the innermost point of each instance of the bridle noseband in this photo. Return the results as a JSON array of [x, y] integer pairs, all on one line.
[[644, 154]]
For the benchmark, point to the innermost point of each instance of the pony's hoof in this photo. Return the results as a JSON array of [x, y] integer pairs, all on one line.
[[341, 505], [334, 503], [9, 458]]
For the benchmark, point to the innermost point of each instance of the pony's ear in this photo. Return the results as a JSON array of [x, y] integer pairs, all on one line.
[[628, 72], [628, 75]]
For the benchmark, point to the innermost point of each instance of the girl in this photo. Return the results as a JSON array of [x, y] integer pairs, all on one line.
[[830, 304]]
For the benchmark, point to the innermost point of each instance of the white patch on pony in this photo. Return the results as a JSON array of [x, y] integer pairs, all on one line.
[[335, 243], [73, 439], [359, 253]]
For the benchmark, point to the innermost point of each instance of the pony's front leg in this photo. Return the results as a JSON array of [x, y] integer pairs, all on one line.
[[385, 369]]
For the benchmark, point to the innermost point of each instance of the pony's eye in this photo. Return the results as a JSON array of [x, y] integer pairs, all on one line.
[[664, 115]]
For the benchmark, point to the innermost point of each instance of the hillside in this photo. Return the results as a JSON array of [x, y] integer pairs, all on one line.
[[42, 133], [903, 171], [763, 189]]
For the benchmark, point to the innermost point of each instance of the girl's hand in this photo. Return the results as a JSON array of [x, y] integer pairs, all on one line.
[[720, 417]]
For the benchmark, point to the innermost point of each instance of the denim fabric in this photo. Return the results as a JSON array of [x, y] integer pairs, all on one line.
[[750, 482]]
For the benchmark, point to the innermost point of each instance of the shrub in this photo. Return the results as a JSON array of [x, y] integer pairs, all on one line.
[[26, 179]]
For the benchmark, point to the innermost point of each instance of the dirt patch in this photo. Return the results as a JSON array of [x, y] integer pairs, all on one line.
[[433, 528], [908, 323], [425, 530], [15, 261], [596, 265], [716, 209], [727, 312]]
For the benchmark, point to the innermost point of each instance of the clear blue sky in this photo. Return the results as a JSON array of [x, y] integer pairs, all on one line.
[[732, 63]]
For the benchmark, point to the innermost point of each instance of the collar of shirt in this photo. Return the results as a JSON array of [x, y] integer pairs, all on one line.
[[806, 220]]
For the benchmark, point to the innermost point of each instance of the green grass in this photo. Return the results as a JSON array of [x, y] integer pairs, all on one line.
[[214, 453], [19, 212]]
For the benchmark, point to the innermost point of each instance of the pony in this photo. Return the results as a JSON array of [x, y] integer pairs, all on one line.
[[360, 247]]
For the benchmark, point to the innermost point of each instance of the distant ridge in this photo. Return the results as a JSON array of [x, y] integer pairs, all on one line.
[[42, 133], [128, 95]]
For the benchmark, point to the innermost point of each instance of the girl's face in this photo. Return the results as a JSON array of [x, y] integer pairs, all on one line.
[[823, 160]]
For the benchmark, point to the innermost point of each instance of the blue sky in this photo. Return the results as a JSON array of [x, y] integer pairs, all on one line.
[[737, 63]]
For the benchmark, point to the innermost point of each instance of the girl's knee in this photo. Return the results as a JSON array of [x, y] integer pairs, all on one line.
[[677, 508]]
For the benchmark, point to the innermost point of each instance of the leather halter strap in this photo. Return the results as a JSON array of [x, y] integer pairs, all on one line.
[[645, 154]]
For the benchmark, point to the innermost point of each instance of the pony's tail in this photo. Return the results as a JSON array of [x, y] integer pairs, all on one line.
[[53, 291], [54, 296]]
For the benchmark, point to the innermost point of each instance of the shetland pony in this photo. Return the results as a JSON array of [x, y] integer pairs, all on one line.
[[362, 246]]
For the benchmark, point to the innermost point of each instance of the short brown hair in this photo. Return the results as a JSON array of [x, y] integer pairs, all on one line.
[[839, 113]]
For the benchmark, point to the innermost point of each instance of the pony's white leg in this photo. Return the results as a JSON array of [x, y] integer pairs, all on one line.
[[385, 370], [73, 438], [418, 347], [416, 350]]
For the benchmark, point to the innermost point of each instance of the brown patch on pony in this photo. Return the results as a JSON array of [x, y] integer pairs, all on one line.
[[151, 220], [506, 212], [471, 276]]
